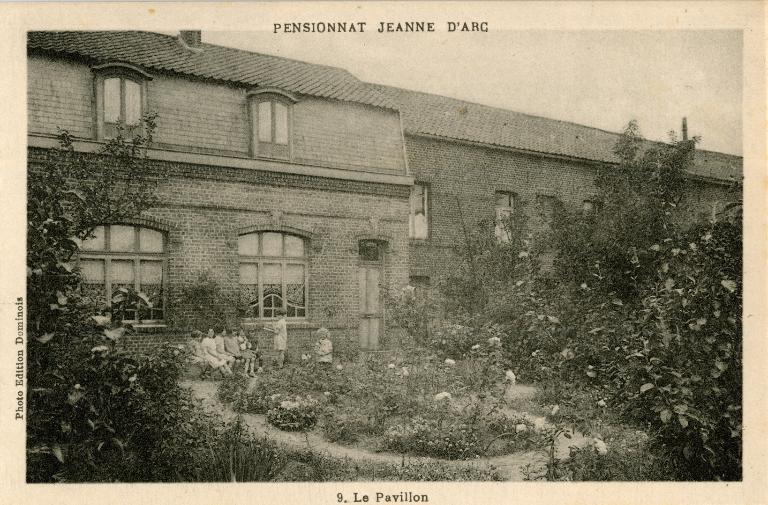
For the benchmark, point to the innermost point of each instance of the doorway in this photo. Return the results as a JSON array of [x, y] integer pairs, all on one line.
[[370, 277]]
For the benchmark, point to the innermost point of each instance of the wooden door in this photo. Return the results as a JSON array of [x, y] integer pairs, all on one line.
[[370, 305]]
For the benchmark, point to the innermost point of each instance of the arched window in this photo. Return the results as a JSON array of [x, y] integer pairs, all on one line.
[[126, 258], [273, 274]]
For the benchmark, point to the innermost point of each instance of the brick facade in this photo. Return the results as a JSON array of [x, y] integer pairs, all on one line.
[[462, 179], [347, 180], [196, 115]]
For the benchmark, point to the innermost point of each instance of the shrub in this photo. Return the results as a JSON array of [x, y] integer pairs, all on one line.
[[294, 414], [233, 455], [432, 437], [344, 428], [413, 313]]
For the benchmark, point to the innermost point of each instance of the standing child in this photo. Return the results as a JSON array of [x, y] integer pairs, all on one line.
[[324, 347], [280, 329]]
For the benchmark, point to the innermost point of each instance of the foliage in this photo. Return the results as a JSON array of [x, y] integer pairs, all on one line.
[[412, 312], [233, 455], [430, 437], [294, 414], [105, 414], [641, 313], [489, 264], [68, 194], [206, 303]]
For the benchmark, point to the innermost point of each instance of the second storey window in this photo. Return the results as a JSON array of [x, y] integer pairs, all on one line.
[[418, 224], [505, 205], [122, 102], [271, 126], [273, 274], [125, 260]]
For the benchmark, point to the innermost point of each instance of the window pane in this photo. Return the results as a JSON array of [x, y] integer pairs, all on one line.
[[272, 287], [294, 283], [122, 238], [111, 100], [151, 272], [249, 290], [150, 240], [92, 271], [152, 286], [273, 273], [294, 274], [294, 246], [272, 244], [248, 245], [92, 285], [132, 102], [265, 122], [281, 123], [249, 273], [121, 273], [96, 243]]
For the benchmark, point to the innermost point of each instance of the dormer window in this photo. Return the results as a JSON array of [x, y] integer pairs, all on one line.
[[271, 116], [120, 99]]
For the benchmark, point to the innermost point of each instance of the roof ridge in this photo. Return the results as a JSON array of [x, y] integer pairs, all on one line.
[[273, 56], [528, 114]]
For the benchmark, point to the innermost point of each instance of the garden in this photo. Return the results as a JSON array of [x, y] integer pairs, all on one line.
[[629, 349]]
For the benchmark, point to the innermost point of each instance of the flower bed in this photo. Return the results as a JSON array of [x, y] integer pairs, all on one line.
[[418, 404]]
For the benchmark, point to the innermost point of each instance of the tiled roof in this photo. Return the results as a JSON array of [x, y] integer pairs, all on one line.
[[422, 113], [445, 117], [164, 52]]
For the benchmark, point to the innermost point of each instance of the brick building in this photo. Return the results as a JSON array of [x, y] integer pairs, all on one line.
[[297, 185]]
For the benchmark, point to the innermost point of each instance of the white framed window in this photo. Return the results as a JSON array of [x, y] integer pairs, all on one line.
[[273, 274], [271, 127], [120, 101], [505, 206], [126, 257], [418, 219]]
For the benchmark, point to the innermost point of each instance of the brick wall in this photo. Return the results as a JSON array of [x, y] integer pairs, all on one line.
[[463, 178], [59, 94], [207, 117], [204, 215], [462, 182]]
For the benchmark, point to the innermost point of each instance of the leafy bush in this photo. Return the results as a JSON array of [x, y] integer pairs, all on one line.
[[412, 313], [431, 437], [294, 414], [202, 304]]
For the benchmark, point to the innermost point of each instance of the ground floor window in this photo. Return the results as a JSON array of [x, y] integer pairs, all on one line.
[[273, 275], [125, 260]]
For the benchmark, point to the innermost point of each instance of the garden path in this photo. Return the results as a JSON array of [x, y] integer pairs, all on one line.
[[512, 467]]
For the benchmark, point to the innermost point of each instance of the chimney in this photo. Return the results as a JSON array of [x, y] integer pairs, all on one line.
[[191, 38], [685, 129]]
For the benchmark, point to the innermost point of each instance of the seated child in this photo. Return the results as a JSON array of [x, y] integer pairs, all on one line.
[[232, 345], [221, 348], [211, 356], [248, 354], [324, 347]]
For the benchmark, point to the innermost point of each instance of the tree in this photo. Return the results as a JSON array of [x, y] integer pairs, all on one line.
[[68, 194]]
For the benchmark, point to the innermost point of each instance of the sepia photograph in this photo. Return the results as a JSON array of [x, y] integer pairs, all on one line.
[[365, 248]]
